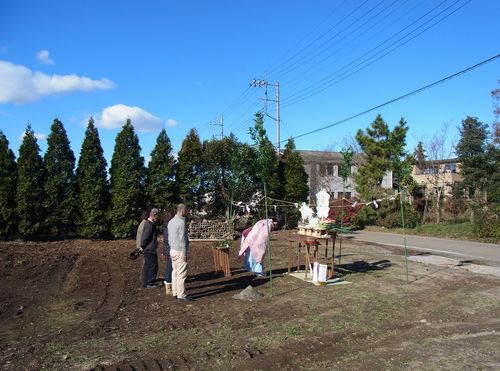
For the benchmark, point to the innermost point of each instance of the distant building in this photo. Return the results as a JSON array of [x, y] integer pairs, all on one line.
[[323, 170], [430, 175]]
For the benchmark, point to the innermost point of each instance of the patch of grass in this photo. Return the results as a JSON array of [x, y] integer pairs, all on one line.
[[462, 230], [477, 301], [293, 329], [78, 355], [369, 312], [314, 323], [425, 341], [156, 341]]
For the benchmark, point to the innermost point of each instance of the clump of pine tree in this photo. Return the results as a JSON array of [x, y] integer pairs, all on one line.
[[295, 176], [92, 186], [160, 179], [189, 171], [30, 192], [59, 186], [127, 183], [8, 183]]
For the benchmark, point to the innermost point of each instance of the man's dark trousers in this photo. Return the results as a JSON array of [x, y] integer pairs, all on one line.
[[150, 269]]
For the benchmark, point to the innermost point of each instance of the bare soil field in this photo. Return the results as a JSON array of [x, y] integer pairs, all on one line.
[[78, 305]]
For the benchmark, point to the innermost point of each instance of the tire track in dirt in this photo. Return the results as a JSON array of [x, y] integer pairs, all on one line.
[[113, 295], [155, 364], [100, 294]]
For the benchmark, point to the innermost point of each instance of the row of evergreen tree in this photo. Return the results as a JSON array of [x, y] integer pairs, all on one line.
[[47, 198]]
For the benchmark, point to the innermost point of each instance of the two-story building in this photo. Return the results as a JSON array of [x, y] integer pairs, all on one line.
[[434, 174], [323, 170]]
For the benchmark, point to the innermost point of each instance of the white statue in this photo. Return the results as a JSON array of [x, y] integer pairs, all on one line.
[[306, 212], [322, 204]]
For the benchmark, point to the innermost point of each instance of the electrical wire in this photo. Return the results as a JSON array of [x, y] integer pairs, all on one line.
[[401, 97], [335, 77], [315, 67], [301, 41], [320, 48]]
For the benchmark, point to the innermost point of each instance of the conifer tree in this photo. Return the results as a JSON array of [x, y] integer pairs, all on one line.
[[296, 188], [92, 186], [127, 183], [472, 154], [268, 168], [189, 174], [59, 185], [217, 173], [8, 184], [30, 193], [243, 180], [294, 179], [160, 179], [384, 151]]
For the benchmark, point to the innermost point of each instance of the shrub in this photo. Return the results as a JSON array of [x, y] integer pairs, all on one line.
[[393, 219], [366, 216], [350, 212], [486, 224], [455, 207]]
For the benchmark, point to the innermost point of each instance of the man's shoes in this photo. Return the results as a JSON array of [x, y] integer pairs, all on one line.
[[151, 286], [185, 299]]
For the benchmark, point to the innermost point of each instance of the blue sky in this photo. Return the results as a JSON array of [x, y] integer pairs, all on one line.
[[183, 64]]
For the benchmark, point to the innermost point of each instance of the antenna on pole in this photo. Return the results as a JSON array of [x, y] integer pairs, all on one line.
[[259, 83]]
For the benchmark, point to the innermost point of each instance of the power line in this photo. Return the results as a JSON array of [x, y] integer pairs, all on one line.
[[238, 102], [279, 64], [419, 90], [291, 67], [235, 127], [335, 77], [372, 31]]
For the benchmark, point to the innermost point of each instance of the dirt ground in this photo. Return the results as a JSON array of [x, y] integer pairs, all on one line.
[[78, 304]]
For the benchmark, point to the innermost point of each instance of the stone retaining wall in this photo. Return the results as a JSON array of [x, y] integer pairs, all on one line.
[[210, 230]]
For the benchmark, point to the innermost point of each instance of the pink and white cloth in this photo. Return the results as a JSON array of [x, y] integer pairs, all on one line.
[[257, 239]]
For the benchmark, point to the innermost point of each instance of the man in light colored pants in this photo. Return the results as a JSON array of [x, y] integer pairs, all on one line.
[[179, 246], [179, 273]]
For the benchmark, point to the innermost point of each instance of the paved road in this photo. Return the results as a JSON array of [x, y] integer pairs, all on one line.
[[485, 252]]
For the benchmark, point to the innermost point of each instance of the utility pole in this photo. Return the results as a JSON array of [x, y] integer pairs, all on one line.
[[219, 122], [277, 88], [260, 83]]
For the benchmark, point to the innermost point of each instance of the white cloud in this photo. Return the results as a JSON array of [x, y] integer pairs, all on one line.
[[115, 117], [43, 57], [171, 122], [19, 84], [38, 136]]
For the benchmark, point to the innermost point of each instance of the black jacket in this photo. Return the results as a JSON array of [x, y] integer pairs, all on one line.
[[149, 240]]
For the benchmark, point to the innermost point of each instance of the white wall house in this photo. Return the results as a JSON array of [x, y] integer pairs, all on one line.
[[323, 170]]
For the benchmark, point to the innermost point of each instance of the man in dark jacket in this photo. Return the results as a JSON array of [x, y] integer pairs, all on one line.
[[149, 244]]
